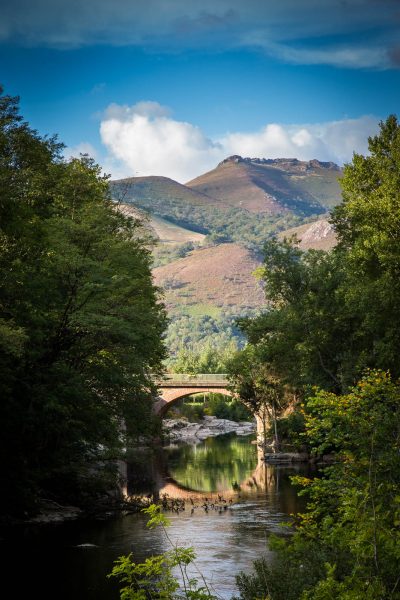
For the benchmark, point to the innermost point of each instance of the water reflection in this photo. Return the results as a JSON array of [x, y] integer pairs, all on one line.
[[226, 542], [217, 465]]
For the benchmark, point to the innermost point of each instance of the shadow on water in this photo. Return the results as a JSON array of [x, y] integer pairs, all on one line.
[[47, 562]]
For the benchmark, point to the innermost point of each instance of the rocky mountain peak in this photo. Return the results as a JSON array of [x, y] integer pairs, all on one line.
[[281, 162]]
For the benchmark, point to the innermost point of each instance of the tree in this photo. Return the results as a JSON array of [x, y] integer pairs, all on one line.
[[347, 542], [212, 358], [333, 314], [368, 229], [254, 383], [80, 320], [304, 334]]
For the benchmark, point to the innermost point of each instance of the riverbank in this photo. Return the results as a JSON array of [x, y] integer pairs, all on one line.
[[181, 430]]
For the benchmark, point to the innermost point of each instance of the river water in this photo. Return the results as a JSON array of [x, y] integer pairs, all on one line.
[[237, 504]]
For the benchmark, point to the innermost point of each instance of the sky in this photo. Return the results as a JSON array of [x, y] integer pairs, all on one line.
[[172, 87]]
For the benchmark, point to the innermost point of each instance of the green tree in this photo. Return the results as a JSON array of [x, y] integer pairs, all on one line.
[[347, 543], [254, 383], [304, 335], [80, 321], [210, 358], [368, 229], [333, 314]]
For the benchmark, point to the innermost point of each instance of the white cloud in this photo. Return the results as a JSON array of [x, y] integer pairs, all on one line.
[[148, 142], [145, 140], [82, 148], [375, 56]]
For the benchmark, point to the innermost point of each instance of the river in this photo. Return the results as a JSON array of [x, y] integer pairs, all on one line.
[[47, 562]]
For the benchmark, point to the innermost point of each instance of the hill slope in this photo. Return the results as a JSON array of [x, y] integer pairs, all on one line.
[[211, 281], [272, 185], [242, 200], [319, 235]]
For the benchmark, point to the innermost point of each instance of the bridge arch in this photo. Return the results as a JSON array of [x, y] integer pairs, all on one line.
[[176, 386]]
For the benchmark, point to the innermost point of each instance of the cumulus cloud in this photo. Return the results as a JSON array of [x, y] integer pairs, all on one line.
[[371, 25], [145, 139], [148, 142]]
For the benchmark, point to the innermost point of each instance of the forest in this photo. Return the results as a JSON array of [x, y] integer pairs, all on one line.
[[81, 323]]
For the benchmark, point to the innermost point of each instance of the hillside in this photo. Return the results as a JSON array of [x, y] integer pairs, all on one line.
[[242, 200], [165, 232], [319, 235], [272, 185], [212, 230], [148, 191], [211, 281]]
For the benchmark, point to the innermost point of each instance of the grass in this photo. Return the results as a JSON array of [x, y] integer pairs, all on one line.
[[198, 310]]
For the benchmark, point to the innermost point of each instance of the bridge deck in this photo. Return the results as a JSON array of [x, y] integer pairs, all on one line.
[[201, 380]]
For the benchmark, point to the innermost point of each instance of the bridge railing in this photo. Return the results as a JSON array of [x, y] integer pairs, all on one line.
[[200, 379]]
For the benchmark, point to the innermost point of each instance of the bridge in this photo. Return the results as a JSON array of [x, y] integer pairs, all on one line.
[[180, 385]]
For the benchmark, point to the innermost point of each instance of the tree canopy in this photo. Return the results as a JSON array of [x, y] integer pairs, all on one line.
[[80, 320], [332, 333]]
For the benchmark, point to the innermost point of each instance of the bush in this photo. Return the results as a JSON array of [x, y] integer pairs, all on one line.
[[291, 430]]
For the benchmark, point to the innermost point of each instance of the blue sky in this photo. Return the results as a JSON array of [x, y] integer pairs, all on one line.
[[171, 87]]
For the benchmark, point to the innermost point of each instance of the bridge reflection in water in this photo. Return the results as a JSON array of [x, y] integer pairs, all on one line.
[[223, 467], [261, 479]]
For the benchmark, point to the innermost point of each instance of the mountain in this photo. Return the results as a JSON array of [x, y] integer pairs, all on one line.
[[242, 202], [272, 185]]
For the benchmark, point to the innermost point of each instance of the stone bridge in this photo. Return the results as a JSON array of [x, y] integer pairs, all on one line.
[[179, 385]]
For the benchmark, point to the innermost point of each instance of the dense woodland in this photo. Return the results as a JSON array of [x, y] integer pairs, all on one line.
[[80, 322]]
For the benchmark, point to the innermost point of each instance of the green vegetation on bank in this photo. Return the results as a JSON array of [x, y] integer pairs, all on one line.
[[347, 544], [80, 322], [210, 404]]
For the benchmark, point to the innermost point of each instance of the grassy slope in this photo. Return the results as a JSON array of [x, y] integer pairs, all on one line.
[[169, 233], [211, 281], [282, 185]]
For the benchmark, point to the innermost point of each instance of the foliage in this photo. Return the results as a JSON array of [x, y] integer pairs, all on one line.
[[195, 408], [254, 383], [80, 320], [164, 254], [223, 408], [154, 578], [367, 224], [305, 335], [211, 358], [331, 315], [351, 527], [193, 333], [291, 430]]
